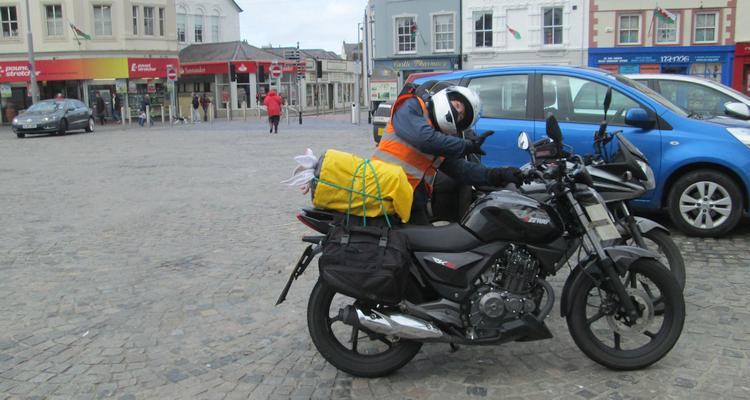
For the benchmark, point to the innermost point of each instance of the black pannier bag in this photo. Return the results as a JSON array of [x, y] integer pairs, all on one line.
[[368, 263]]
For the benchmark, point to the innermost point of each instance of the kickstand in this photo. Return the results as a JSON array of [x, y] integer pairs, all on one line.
[[454, 348]]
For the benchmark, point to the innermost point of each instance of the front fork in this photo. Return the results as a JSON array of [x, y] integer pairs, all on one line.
[[632, 226]]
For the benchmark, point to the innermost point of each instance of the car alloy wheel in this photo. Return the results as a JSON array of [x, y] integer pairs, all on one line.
[[705, 205]]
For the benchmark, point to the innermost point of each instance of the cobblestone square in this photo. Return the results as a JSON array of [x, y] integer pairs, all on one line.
[[145, 264]]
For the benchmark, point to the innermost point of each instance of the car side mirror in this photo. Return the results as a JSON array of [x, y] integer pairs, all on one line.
[[737, 110], [639, 118]]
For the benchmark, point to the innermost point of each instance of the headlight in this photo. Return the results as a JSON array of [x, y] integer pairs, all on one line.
[[15, 120], [742, 134], [46, 119]]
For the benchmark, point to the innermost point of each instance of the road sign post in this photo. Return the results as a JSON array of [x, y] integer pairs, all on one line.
[[171, 78]]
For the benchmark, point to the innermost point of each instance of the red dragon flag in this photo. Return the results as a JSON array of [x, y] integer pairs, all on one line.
[[514, 32]]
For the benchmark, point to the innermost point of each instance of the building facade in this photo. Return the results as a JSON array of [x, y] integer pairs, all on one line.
[[691, 37], [741, 78], [117, 48], [207, 21], [507, 32], [407, 36]]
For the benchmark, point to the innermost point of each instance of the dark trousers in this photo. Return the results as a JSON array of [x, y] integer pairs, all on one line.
[[419, 215]]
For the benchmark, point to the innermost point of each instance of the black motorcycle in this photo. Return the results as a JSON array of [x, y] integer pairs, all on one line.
[[483, 281]]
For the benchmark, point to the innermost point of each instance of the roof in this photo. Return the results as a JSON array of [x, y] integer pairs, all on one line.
[[225, 51], [455, 75], [236, 5], [351, 50], [319, 54]]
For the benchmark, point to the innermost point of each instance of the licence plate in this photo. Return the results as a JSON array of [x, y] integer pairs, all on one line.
[[29, 126], [380, 131], [602, 222]]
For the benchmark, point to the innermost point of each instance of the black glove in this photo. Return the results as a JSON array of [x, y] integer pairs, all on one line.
[[474, 144], [499, 177]]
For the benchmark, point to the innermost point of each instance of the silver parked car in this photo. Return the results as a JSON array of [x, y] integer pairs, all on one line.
[[54, 116], [698, 96]]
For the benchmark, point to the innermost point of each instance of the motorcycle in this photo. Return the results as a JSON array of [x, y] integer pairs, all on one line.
[[483, 281]]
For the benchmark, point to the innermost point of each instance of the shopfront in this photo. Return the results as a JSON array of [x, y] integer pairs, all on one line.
[[741, 79], [710, 62], [388, 76], [130, 79]]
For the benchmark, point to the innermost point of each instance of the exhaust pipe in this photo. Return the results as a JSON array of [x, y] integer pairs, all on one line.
[[399, 325]]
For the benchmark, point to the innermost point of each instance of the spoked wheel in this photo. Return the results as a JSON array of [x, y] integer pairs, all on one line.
[[603, 331], [347, 348], [669, 254]]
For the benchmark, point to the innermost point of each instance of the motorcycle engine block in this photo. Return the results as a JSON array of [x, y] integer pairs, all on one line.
[[506, 291]]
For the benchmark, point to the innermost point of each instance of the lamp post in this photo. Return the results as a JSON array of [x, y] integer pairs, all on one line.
[[357, 75], [32, 64]]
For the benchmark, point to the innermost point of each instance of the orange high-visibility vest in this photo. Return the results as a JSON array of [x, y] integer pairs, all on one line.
[[418, 166]]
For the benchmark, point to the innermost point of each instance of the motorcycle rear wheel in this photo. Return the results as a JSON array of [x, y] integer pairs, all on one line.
[[669, 254], [600, 330], [326, 329]]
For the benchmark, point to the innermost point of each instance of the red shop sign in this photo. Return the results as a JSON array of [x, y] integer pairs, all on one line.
[[150, 67], [245, 67], [14, 71], [209, 68]]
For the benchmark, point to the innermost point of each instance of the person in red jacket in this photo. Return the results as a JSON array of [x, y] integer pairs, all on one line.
[[273, 105]]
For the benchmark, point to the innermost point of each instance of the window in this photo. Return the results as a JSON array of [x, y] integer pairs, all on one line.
[[54, 19], [578, 100], [629, 30], [695, 98], [443, 27], [406, 35], [705, 27], [198, 28], [9, 21], [553, 25], [148, 21], [161, 22], [483, 28], [710, 71], [215, 28], [502, 96], [666, 32], [181, 28], [135, 20], [102, 20]]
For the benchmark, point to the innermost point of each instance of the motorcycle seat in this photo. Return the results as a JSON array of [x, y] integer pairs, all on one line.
[[448, 238]]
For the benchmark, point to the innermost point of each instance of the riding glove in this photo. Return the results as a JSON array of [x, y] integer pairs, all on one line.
[[474, 144], [502, 176]]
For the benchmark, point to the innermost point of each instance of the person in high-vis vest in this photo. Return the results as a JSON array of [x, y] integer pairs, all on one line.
[[422, 136]]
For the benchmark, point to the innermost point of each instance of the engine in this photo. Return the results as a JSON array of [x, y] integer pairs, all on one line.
[[507, 290]]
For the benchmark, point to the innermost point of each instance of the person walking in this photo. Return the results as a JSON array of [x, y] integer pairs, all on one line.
[[195, 115], [273, 107], [145, 108], [100, 108], [205, 102], [116, 107]]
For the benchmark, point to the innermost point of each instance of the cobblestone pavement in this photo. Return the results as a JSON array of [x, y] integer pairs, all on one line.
[[144, 264]]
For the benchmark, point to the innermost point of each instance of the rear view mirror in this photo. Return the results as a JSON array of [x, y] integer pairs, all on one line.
[[523, 141], [553, 130], [639, 118], [737, 110], [607, 101]]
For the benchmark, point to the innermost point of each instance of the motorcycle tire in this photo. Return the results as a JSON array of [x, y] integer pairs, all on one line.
[[669, 300], [319, 324], [667, 246]]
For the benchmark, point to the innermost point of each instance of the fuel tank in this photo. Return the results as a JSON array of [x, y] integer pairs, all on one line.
[[510, 216]]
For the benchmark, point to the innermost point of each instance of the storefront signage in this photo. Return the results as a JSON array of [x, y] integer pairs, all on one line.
[[86, 68], [5, 91], [149, 67], [14, 71], [383, 90], [659, 58], [209, 68], [121, 86], [426, 63]]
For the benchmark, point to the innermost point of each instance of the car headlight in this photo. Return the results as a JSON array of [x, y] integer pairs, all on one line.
[[46, 119], [742, 134], [15, 120]]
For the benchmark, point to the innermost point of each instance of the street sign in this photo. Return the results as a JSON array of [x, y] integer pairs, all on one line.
[[171, 73], [275, 71]]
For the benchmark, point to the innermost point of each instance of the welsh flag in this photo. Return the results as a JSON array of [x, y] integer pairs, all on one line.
[[413, 30], [79, 33], [665, 16], [514, 32]]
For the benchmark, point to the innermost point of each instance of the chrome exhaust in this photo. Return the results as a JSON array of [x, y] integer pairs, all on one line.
[[399, 325]]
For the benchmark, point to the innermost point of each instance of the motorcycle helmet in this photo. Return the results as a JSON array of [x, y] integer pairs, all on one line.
[[444, 115]]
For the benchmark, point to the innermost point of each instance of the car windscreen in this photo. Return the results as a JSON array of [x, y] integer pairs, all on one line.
[[654, 95], [383, 111], [47, 106]]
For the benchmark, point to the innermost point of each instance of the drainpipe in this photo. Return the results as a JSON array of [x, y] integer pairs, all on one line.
[[460, 34]]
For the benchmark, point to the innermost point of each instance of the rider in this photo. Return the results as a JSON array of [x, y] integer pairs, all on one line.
[[422, 136]]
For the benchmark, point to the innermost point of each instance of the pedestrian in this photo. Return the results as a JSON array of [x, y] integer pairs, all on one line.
[[195, 114], [273, 107], [100, 108], [205, 102], [145, 108], [116, 106]]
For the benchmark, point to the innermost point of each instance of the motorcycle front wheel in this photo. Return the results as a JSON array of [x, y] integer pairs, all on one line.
[[347, 348], [602, 330]]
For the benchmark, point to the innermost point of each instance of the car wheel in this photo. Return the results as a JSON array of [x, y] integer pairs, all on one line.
[[63, 127], [90, 126], [20, 135], [705, 203]]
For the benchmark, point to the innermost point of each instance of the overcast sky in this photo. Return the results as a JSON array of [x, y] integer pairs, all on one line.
[[314, 23]]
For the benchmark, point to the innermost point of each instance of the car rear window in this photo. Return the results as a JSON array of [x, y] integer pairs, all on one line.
[[383, 111]]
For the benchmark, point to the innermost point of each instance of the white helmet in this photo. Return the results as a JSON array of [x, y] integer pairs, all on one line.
[[444, 115]]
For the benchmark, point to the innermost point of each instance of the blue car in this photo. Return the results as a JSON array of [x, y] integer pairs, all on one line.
[[702, 168]]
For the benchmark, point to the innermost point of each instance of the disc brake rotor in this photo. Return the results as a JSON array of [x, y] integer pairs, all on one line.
[[641, 300]]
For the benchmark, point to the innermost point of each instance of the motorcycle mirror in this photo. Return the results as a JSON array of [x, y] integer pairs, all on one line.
[[607, 101], [523, 141], [553, 131]]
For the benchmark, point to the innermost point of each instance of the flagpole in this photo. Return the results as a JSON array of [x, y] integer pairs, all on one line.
[[32, 64]]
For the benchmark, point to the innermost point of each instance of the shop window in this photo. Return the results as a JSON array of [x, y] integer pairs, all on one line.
[[578, 100], [705, 27], [666, 30], [694, 98], [710, 71], [502, 96], [552, 18], [102, 20], [483, 28], [443, 28], [406, 35], [215, 28], [629, 29], [54, 19], [9, 21], [148, 21], [135, 19], [181, 29], [161, 21], [198, 28]]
